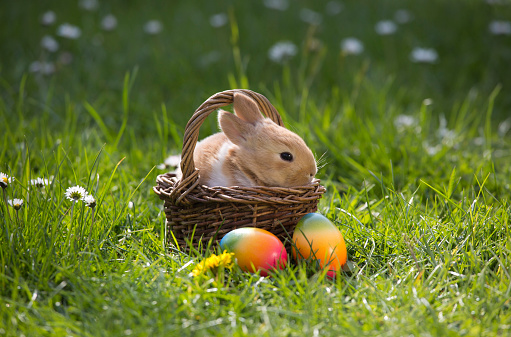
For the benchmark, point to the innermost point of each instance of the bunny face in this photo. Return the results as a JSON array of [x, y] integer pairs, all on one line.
[[274, 156]]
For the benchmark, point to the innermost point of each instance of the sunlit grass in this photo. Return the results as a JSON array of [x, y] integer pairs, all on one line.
[[416, 161]]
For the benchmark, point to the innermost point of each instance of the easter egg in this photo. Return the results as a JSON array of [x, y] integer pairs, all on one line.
[[255, 249], [318, 238]]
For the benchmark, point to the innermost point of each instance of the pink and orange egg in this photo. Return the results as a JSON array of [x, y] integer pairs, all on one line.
[[255, 249]]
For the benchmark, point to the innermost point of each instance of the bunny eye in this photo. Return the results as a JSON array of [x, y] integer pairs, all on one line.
[[286, 156]]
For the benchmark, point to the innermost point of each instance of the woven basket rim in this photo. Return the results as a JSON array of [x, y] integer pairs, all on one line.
[[242, 194]]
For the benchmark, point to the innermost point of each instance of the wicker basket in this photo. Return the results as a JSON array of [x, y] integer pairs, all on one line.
[[198, 213]]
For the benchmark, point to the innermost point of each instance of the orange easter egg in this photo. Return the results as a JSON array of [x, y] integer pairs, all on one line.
[[318, 238]]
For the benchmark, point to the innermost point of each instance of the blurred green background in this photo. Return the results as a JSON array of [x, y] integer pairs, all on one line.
[[191, 58], [407, 103]]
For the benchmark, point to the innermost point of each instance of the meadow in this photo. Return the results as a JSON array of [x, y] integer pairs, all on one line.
[[407, 103]]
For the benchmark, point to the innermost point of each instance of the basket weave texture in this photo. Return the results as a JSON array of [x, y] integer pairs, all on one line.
[[198, 213]]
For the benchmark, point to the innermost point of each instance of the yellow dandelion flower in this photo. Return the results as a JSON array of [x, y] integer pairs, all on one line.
[[213, 263], [226, 259], [199, 269]]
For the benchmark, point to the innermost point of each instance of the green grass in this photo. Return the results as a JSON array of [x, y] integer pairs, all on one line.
[[417, 169]]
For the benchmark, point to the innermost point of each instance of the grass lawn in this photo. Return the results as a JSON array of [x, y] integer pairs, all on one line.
[[407, 103]]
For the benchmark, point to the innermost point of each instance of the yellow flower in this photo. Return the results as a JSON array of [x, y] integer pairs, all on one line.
[[198, 270], [213, 263]]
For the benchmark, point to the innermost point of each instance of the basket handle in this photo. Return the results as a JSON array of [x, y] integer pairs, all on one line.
[[190, 176]]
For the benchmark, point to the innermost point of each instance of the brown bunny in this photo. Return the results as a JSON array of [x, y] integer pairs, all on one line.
[[253, 151]]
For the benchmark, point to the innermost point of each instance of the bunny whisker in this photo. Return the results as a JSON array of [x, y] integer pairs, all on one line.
[[322, 161]]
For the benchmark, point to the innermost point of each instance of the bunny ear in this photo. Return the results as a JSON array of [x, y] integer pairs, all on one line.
[[234, 127], [246, 108]]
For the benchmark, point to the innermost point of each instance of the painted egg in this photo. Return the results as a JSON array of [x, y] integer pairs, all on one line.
[[255, 249], [318, 238]]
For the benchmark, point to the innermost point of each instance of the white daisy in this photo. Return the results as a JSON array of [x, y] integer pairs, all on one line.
[[498, 27], [173, 160], [5, 180], [309, 16], [109, 22], [402, 122], [280, 5], [39, 182], [89, 201], [153, 27], [45, 68], [218, 20], [48, 18], [69, 31], [282, 51], [427, 101], [89, 5], [49, 43], [76, 193], [385, 27], [352, 46], [15, 203], [333, 7], [424, 55]]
